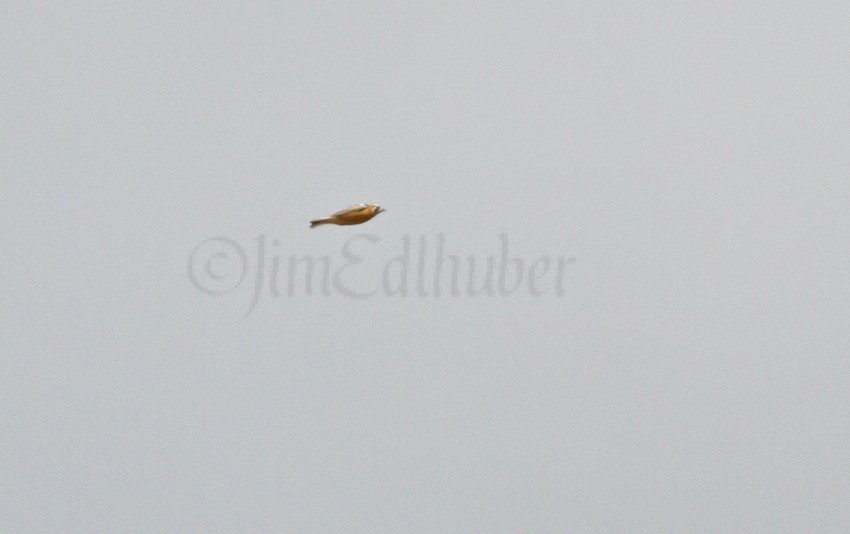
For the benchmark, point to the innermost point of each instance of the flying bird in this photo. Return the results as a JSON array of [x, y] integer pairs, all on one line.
[[357, 214]]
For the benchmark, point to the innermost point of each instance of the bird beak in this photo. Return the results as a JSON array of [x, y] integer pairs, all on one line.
[[380, 209]]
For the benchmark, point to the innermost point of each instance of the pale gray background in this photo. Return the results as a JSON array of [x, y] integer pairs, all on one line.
[[693, 157]]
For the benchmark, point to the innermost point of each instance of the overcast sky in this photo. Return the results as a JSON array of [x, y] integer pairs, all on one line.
[[684, 167]]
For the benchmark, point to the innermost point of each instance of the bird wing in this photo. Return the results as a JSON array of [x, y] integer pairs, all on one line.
[[351, 209]]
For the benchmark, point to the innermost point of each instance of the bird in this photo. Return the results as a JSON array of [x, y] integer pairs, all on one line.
[[357, 214]]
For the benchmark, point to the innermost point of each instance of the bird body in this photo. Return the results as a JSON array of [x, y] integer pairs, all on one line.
[[357, 214]]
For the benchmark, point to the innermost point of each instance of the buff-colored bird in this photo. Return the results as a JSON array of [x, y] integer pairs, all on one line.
[[356, 214]]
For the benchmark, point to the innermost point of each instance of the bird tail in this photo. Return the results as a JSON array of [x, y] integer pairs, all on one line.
[[319, 222]]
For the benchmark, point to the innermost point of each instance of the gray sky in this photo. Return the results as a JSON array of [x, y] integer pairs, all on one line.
[[691, 157]]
